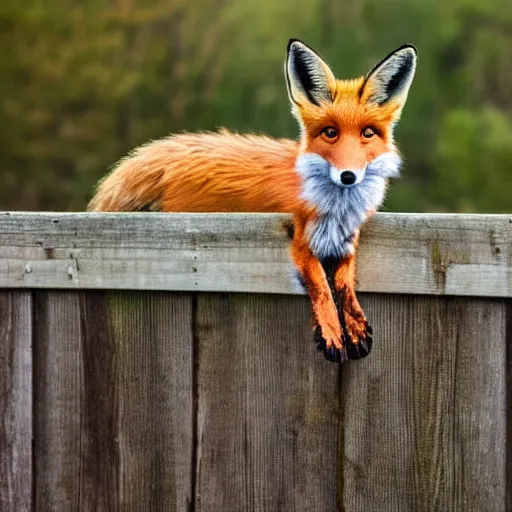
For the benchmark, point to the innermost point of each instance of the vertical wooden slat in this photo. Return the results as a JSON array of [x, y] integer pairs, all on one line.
[[479, 403], [58, 384], [154, 347], [113, 412], [508, 395], [15, 401], [99, 448], [424, 415], [268, 407]]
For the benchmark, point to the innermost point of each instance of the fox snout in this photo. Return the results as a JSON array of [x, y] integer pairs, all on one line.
[[346, 177]]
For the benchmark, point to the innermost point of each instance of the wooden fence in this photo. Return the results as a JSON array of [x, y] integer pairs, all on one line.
[[153, 362]]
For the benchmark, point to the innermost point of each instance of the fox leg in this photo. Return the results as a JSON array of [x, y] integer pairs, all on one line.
[[358, 334], [329, 333]]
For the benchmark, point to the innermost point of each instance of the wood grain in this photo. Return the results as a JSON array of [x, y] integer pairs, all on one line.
[[154, 361], [100, 458], [268, 412], [113, 401], [15, 401], [424, 415], [466, 255], [145, 401], [58, 409], [508, 398]]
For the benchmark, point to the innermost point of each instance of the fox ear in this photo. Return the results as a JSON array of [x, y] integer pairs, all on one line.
[[308, 76], [391, 78]]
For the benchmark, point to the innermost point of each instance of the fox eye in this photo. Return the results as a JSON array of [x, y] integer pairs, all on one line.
[[330, 133], [368, 132]]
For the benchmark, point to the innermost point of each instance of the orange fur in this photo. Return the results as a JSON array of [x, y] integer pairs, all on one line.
[[219, 172], [226, 172], [344, 286], [349, 114], [209, 172], [317, 286]]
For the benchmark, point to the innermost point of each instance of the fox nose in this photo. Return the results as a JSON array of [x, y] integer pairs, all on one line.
[[348, 178]]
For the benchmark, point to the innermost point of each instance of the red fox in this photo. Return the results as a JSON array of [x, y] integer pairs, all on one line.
[[331, 180]]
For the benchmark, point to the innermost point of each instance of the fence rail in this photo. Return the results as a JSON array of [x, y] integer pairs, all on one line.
[[133, 377], [466, 255]]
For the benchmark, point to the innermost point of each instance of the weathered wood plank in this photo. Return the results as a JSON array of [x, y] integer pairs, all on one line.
[[58, 383], [15, 401], [467, 255], [111, 373], [154, 360], [100, 458], [508, 398], [76, 456], [268, 412], [424, 415]]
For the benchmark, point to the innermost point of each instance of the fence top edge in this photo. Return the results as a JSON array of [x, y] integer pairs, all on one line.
[[222, 215], [413, 253]]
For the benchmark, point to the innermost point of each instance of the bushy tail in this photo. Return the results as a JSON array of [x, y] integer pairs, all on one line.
[[134, 185]]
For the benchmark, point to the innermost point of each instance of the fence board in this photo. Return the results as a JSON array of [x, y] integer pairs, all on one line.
[[15, 401], [268, 407], [425, 413], [467, 255], [154, 361], [154, 400], [508, 400], [62, 434], [110, 377]]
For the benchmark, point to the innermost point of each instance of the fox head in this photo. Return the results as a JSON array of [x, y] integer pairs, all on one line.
[[347, 150], [347, 122]]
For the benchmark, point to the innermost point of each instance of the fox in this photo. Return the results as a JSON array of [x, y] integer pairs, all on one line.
[[331, 180]]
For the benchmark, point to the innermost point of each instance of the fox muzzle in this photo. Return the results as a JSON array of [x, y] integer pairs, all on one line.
[[346, 177]]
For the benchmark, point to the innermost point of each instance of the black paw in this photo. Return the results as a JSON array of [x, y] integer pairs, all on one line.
[[350, 349], [331, 354], [361, 349]]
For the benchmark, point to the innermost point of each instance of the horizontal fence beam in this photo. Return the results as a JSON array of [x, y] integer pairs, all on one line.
[[444, 254]]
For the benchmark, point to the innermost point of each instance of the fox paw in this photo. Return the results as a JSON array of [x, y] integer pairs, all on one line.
[[331, 353], [357, 334], [360, 348], [351, 348]]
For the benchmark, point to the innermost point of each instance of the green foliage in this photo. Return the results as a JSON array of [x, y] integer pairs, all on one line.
[[475, 166], [84, 82]]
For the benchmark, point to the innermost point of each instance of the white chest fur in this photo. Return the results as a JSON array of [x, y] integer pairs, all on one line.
[[328, 236], [341, 210]]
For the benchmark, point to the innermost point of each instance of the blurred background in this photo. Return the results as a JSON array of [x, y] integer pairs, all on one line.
[[83, 82]]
